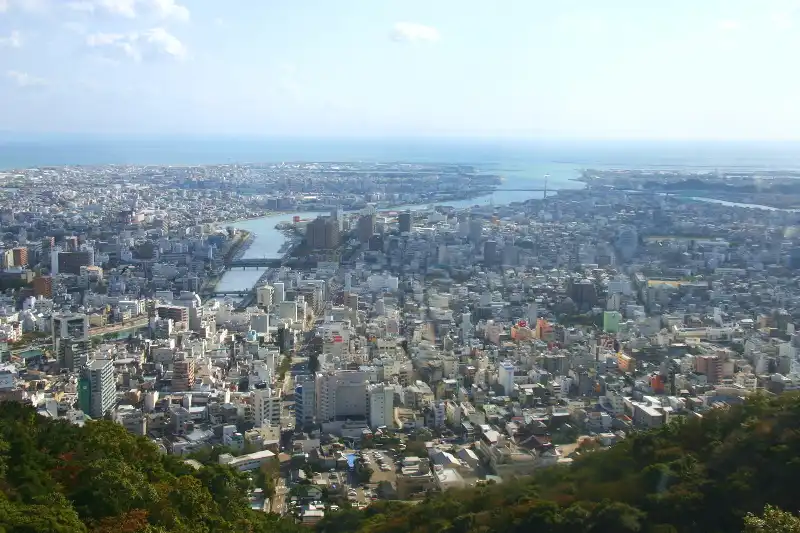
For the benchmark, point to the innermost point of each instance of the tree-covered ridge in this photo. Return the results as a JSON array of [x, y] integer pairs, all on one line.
[[58, 477], [698, 476]]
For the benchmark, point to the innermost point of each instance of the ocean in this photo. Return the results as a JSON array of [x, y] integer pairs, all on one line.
[[521, 163], [487, 153]]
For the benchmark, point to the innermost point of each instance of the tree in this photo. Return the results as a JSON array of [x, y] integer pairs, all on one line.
[[773, 520], [58, 477], [364, 473], [266, 476]]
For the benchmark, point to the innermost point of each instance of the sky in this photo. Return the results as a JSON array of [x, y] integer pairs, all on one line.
[[586, 69]]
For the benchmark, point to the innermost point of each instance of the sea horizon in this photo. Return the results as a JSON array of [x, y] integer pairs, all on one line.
[[28, 151]]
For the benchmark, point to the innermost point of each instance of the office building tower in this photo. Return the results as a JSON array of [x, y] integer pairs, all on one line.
[[463, 225], [351, 301], [322, 233], [265, 296], [505, 377], [341, 395], [97, 390], [466, 325], [627, 243], [43, 286], [71, 262], [20, 255], [259, 322], [381, 406], [366, 227], [6, 259], [71, 340], [305, 402], [404, 221], [268, 407], [183, 374], [532, 314], [278, 293], [490, 252], [338, 215], [71, 244], [475, 230], [54, 261], [177, 313]]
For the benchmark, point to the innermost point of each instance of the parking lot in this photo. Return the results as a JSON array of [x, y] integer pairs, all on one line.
[[382, 464]]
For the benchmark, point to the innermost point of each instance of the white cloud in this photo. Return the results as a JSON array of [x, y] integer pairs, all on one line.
[[29, 6], [138, 46], [12, 41], [170, 9], [23, 79], [161, 9], [411, 32], [164, 42], [729, 25], [88, 7]]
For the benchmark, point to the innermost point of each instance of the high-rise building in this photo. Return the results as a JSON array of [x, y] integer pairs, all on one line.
[[97, 390], [43, 286], [505, 377], [177, 313], [265, 296], [268, 406], [490, 252], [341, 395], [20, 254], [183, 374], [322, 233], [381, 406], [627, 242], [71, 340], [259, 322], [305, 403], [54, 253], [404, 221], [279, 295], [351, 301], [475, 230], [71, 262], [366, 227], [6, 259]]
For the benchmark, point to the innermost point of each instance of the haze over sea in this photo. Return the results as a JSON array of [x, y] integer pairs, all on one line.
[[496, 154]]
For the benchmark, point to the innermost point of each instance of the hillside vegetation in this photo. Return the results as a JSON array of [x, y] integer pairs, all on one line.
[[57, 477], [700, 476], [734, 470]]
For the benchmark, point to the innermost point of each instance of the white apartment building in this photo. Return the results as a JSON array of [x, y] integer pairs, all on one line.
[[381, 406], [267, 407], [505, 377]]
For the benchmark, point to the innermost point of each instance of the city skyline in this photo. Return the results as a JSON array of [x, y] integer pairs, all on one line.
[[358, 68]]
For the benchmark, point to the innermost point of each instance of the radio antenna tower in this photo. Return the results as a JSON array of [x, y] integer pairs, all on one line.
[[546, 176]]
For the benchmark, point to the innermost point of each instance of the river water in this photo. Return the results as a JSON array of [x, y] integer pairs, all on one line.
[[268, 240]]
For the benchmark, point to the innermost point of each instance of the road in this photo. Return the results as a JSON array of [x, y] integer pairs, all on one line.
[[116, 328], [278, 504]]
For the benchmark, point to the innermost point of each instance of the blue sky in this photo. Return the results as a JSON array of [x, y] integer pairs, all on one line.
[[676, 69]]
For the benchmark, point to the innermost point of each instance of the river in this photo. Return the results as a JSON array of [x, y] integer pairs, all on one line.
[[268, 240]]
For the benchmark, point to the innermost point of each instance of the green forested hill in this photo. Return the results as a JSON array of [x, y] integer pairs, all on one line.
[[699, 477], [57, 477], [702, 476]]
